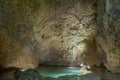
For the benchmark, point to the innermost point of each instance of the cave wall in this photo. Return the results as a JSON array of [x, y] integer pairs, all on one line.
[[16, 35], [107, 38], [63, 30], [59, 32], [49, 32]]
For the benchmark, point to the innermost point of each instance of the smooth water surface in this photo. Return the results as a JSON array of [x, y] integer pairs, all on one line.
[[55, 72]]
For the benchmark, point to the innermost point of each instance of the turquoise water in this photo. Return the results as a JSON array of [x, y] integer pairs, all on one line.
[[55, 72]]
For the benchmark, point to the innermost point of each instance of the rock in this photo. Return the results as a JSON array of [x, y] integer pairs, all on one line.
[[83, 77], [63, 33], [107, 38], [29, 74], [106, 74], [7, 74], [46, 32], [16, 35], [84, 70], [60, 32]]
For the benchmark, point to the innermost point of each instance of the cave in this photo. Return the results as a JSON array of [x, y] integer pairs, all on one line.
[[59, 39]]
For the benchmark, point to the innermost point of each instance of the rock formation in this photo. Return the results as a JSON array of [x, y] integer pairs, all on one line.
[[60, 32], [46, 32], [107, 38], [16, 36]]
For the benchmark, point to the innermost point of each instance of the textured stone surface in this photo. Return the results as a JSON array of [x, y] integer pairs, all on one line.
[[106, 74], [58, 32], [16, 35], [108, 44], [64, 31]]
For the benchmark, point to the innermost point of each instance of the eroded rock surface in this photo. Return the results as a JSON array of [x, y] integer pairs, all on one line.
[[107, 39], [16, 35], [47, 32], [64, 31], [60, 32]]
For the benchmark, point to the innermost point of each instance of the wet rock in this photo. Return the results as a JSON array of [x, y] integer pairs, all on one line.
[[29, 74], [106, 74]]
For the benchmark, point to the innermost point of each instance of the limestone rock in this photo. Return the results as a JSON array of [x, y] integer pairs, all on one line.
[[59, 32], [64, 31], [46, 32], [107, 39], [16, 35]]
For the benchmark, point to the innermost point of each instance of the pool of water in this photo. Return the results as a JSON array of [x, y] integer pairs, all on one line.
[[55, 72]]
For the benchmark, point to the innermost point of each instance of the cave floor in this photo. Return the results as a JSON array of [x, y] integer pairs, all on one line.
[[7, 75]]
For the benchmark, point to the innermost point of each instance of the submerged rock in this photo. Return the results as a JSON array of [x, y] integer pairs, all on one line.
[[80, 77], [30, 74]]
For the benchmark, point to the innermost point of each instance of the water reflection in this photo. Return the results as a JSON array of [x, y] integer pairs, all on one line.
[[55, 72]]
